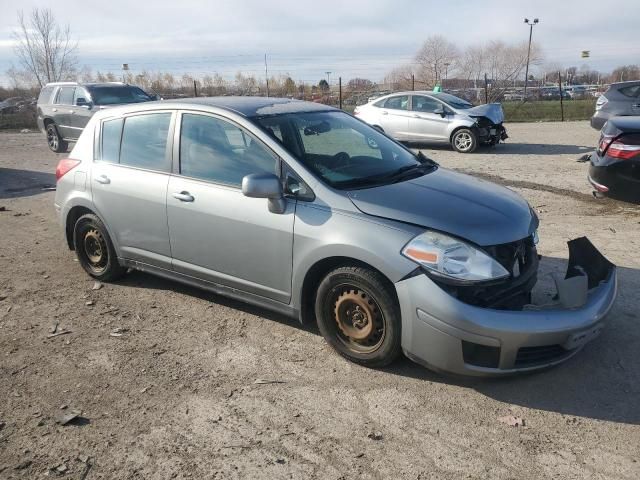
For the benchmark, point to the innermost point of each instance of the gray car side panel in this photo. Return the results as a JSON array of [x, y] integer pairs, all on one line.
[[321, 233]]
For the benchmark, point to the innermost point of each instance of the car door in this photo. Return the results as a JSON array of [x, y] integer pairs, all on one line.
[[394, 116], [129, 184], [81, 111], [424, 123], [217, 234], [61, 109]]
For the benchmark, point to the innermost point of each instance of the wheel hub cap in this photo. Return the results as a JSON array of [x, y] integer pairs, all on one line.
[[355, 314], [93, 246]]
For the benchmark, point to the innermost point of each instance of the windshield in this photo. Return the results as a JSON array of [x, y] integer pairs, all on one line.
[[343, 151], [454, 101], [113, 95]]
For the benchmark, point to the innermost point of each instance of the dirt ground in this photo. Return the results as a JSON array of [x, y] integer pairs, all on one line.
[[178, 393]]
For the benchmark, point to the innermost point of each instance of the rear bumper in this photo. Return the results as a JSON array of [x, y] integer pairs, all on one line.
[[621, 179], [445, 334]]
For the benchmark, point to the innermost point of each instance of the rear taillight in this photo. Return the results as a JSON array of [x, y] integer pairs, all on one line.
[[64, 166], [605, 141], [623, 151]]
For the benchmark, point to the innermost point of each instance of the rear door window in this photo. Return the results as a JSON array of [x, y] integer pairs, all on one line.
[[65, 96], [144, 141], [400, 102]]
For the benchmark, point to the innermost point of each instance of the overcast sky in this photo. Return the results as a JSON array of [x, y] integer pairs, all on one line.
[[306, 39]]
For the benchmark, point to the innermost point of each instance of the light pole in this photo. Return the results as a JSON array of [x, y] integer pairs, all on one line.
[[328, 73], [526, 73]]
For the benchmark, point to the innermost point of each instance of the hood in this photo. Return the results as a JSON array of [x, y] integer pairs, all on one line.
[[493, 111], [467, 207]]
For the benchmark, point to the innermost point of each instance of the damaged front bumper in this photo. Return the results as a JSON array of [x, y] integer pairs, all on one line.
[[491, 134], [446, 334]]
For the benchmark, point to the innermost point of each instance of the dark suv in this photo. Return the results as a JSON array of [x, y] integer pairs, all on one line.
[[64, 108]]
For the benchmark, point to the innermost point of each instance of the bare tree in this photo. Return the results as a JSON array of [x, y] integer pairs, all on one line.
[[45, 49], [434, 58]]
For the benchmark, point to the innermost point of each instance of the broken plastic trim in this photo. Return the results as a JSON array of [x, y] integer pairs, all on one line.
[[586, 270]]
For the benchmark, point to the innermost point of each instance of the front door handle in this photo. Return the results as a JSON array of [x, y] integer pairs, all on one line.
[[103, 179], [54, 109], [72, 111], [384, 113], [183, 196]]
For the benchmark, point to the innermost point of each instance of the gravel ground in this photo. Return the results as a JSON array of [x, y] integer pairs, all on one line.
[[178, 394]]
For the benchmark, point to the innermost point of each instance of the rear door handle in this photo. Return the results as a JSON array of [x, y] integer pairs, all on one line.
[[103, 179], [72, 111], [183, 196], [384, 113], [54, 109]]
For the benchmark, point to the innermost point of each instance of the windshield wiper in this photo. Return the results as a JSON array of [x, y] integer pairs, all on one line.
[[390, 177]]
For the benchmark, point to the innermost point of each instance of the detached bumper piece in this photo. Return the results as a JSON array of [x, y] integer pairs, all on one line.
[[447, 334]]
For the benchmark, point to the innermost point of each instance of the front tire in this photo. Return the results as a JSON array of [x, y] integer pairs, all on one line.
[[94, 249], [358, 315], [464, 140], [54, 140]]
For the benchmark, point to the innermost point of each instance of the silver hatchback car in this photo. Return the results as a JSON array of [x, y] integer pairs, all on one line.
[[304, 209], [435, 117]]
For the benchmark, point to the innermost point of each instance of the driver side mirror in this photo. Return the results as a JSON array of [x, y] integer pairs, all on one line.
[[265, 185], [440, 111]]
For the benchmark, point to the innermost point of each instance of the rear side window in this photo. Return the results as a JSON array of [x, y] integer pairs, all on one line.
[[116, 94], [45, 95], [144, 141], [397, 103], [633, 91], [111, 135], [65, 96]]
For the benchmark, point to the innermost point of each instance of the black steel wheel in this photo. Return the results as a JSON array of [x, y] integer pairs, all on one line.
[[358, 315], [94, 249]]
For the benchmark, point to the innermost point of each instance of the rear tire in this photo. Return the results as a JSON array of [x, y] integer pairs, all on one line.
[[94, 249], [54, 140], [464, 140], [358, 315]]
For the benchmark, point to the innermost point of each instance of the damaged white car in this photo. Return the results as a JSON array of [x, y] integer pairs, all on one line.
[[431, 117]]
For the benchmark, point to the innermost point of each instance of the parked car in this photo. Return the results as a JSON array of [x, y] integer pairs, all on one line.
[[64, 108], [620, 99], [436, 118], [301, 208], [615, 165]]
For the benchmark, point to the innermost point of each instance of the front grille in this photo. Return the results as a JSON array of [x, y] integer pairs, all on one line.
[[531, 356]]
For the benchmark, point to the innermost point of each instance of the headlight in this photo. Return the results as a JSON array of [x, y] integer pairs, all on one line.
[[453, 259]]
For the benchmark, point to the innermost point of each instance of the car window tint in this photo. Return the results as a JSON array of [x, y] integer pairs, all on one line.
[[397, 103], [144, 141], [111, 134], [65, 96], [425, 104], [216, 150], [633, 91], [115, 94]]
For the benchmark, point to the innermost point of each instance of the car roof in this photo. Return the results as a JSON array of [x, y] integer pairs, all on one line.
[[88, 84], [254, 106]]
